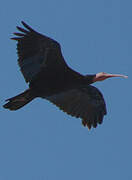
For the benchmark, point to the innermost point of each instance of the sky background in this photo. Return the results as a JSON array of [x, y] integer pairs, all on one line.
[[39, 142]]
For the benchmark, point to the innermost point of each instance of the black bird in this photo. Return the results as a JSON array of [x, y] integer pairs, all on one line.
[[44, 68]]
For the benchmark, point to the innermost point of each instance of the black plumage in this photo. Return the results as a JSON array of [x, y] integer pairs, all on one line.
[[42, 64]]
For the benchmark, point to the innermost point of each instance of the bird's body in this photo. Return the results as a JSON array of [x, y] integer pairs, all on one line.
[[52, 81], [44, 68]]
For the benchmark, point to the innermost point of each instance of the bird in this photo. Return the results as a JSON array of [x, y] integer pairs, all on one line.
[[49, 77]]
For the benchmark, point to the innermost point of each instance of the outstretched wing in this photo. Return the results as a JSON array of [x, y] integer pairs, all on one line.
[[86, 103], [36, 52]]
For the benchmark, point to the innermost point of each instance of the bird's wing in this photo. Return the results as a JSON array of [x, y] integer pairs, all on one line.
[[36, 52], [86, 103]]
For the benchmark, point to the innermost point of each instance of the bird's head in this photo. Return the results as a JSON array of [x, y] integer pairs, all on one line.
[[102, 76]]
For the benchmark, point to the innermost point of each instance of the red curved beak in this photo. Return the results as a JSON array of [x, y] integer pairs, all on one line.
[[102, 76], [115, 75]]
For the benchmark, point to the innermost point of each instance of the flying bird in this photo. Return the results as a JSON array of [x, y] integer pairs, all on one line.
[[45, 70]]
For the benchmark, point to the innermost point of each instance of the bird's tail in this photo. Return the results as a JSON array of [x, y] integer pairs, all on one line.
[[19, 101]]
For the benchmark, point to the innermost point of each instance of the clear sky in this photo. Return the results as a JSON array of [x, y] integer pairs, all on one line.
[[39, 142]]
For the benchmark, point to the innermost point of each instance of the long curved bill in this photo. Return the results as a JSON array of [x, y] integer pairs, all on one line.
[[116, 75]]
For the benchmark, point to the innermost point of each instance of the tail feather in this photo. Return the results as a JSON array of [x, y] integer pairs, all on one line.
[[19, 101]]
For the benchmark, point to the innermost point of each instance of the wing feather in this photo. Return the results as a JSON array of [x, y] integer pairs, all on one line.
[[86, 103], [35, 51]]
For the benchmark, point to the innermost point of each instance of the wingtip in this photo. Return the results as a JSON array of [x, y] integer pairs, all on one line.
[[23, 23], [14, 39], [27, 26]]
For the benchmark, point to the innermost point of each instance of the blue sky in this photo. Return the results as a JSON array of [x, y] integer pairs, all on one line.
[[39, 142]]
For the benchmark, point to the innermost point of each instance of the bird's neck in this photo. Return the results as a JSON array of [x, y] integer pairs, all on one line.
[[89, 79]]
